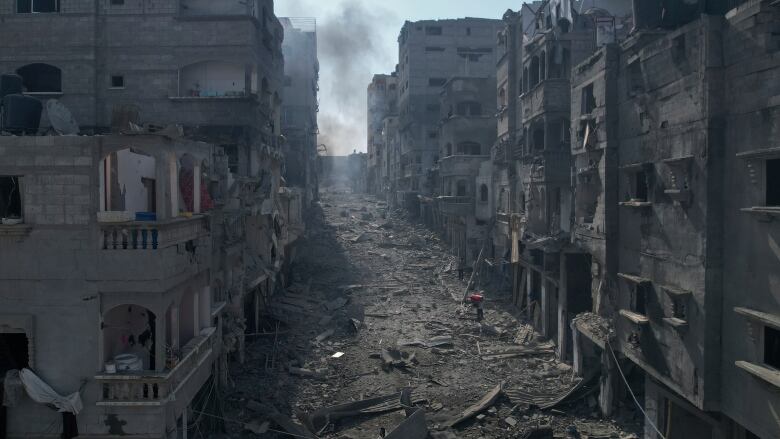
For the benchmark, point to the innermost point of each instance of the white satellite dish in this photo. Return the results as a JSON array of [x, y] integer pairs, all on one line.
[[61, 118]]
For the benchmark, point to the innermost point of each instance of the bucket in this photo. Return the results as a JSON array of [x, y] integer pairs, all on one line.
[[110, 367]]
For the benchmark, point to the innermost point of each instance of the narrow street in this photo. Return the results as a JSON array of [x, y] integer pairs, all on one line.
[[369, 280]]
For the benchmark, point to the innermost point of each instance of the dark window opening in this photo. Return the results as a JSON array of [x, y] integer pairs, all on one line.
[[468, 109], [10, 197], [538, 139], [635, 81], [461, 188], [436, 82], [772, 347], [679, 310], [640, 300], [37, 6], [469, 148], [773, 182], [588, 99], [432, 135], [434, 49], [232, 155], [483, 193], [117, 81], [468, 31], [41, 78], [117, 2], [474, 58], [14, 352], [640, 186], [433, 30]]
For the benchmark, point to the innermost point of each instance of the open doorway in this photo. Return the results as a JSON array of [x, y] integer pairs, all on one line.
[[579, 298]]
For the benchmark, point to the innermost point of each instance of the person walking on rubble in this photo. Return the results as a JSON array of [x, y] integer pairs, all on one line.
[[461, 267]]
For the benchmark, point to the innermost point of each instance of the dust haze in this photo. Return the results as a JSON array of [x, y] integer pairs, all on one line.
[[352, 45]]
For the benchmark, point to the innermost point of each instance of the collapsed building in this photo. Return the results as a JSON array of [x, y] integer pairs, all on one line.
[[632, 192], [139, 246]]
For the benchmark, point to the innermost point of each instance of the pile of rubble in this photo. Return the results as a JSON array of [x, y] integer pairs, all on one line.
[[372, 340]]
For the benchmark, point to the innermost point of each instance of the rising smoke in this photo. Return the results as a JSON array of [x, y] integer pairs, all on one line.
[[353, 44]]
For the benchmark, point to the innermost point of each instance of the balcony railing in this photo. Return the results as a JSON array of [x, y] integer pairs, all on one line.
[[157, 388], [549, 95], [152, 235]]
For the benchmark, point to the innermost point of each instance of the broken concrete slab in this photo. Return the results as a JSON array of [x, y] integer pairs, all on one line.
[[256, 427], [413, 427], [397, 358], [480, 406], [324, 336]]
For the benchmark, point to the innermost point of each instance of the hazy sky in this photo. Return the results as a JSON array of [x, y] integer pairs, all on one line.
[[358, 38]]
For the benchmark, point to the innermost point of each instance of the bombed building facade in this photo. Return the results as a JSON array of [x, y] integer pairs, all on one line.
[[151, 215], [628, 199]]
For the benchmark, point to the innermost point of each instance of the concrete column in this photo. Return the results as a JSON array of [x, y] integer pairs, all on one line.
[[196, 189], [195, 314], [563, 308], [545, 306], [205, 307], [175, 327], [161, 326], [173, 179], [607, 383], [577, 357]]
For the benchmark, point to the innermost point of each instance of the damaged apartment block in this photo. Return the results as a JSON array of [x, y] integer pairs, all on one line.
[[151, 214], [629, 201]]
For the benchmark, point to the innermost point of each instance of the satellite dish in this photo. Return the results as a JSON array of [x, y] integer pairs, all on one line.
[[60, 118]]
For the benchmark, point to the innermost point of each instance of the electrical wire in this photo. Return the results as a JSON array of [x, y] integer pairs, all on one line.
[[639, 406]]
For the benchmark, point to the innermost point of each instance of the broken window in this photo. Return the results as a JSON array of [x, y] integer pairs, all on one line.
[[772, 347], [773, 182], [640, 186], [117, 81], [41, 78], [483, 193], [14, 351], [588, 99], [638, 299], [538, 138], [679, 309], [635, 81], [10, 197], [37, 6], [461, 188], [433, 30], [436, 82], [534, 72], [468, 108]]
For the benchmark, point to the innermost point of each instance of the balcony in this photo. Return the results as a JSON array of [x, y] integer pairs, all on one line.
[[456, 206], [158, 388], [151, 235], [551, 95], [461, 165]]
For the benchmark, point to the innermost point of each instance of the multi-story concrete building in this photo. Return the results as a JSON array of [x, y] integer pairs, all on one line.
[[382, 104], [301, 105], [467, 131], [156, 247], [430, 52], [672, 210]]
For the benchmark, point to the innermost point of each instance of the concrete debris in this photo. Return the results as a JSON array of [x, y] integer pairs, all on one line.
[[510, 421], [396, 358], [413, 427], [481, 405], [258, 428], [324, 336]]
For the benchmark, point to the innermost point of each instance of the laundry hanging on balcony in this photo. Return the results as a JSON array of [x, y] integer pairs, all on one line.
[[41, 393]]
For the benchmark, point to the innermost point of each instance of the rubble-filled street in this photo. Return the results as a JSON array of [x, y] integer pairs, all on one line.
[[374, 308]]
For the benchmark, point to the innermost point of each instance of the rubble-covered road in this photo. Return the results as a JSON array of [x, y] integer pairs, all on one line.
[[374, 308]]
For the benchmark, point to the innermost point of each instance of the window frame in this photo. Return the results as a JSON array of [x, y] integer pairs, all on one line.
[[32, 7]]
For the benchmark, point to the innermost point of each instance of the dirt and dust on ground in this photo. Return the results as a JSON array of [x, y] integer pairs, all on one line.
[[371, 340]]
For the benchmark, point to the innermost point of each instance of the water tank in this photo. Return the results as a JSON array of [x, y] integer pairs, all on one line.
[[21, 114], [128, 363], [10, 85]]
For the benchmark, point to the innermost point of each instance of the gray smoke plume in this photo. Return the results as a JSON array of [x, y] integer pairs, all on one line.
[[353, 45]]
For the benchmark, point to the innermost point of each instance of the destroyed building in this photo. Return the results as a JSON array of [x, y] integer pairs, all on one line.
[[135, 255], [632, 191], [431, 52], [382, 104]]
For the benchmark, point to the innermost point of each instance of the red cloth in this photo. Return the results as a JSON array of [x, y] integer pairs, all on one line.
[[187, 187]]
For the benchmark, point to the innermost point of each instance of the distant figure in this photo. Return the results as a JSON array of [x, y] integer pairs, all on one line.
[[476, 300], [461, 268]]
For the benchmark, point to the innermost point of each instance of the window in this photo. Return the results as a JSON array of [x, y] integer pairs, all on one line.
[[15, 351], [433, 30], [436, 82], [231, 151], [461, 188], [635, 80], [483, 193], [41, 78], [468, 31], [118, 2], [640, 186], [772, 347], [468, 108], [679, 308], [10, 197], [36, 6], [773, 182], [117, 81], [474, 57], [434, 49], [588, 99], [432, 135], [469, 148], [639, 299]]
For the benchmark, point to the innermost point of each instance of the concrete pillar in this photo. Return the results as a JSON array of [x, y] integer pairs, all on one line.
[[577, 357], [563, 309], [161, 327], [607, 383], [196, 189], [546, 289], [175, 327], [195, 313], [205, 307], [173, 179]]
